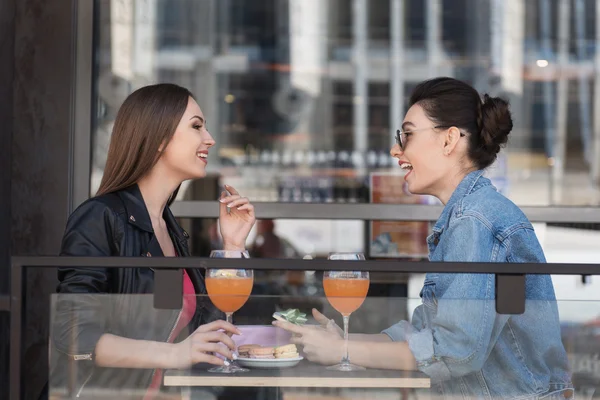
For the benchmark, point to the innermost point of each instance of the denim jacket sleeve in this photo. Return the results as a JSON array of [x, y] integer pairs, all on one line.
[[459, 337]]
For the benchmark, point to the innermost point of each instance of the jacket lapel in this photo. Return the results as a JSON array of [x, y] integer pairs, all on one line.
[[154, 249], [139, 217]]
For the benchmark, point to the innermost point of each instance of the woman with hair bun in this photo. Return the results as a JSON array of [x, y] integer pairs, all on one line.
[[449, 136]]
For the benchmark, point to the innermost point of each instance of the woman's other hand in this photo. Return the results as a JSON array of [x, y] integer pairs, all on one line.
[[320, 345], [327, 324], [236, 219]]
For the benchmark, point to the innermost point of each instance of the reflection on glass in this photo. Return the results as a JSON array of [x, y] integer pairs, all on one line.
[[579, 320], [303, 97]]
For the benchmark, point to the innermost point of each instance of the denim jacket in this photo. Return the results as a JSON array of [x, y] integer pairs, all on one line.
[[456, 336]]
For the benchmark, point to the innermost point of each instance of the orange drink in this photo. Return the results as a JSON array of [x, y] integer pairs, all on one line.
[[229, 294], [229, 290], [346, 295]]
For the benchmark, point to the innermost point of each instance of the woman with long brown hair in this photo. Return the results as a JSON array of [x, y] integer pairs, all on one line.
[[119, 341]]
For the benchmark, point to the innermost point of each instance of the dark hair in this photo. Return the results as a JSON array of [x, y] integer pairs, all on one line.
[[148, 118], [450, 102]]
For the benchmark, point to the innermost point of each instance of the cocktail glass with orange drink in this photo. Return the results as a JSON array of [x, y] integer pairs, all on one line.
[[346, 291], [229, 290]]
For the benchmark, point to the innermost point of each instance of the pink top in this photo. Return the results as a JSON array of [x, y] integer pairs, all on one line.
[[187, 313]]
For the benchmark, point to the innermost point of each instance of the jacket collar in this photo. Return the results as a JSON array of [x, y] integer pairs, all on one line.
[[465, 187], [138, 216]]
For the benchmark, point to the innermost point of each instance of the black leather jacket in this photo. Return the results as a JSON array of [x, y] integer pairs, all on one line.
[[95, 301]]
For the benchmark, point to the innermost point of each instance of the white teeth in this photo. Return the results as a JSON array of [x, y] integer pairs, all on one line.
[[202, 155], [406, 165]]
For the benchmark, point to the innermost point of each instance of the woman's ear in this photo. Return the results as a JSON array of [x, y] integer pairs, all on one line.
[[451, 138]]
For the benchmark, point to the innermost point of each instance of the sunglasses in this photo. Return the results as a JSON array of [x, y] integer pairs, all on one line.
[[402, 136]]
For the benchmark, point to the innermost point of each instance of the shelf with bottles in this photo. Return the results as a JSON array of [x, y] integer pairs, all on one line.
[[304, 176], [308, 160]]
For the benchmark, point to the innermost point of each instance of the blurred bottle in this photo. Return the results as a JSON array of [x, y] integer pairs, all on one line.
[[343, 159], [326, 189], [307, 190], [275, 159], [372, 159], [298, 160], [384, 159], [340, 189], [357, 160], [321, 159], [310, 159], [331, 159]]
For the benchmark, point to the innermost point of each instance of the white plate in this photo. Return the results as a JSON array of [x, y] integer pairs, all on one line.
[[269, 363]]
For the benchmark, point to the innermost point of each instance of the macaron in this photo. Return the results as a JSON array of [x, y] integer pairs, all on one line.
[[262, 352], [286, 351], [243, 350]]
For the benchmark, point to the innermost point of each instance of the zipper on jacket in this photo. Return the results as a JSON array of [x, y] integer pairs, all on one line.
[[81, 357]]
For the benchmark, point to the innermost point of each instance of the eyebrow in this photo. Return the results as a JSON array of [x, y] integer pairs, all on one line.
[[199, 117], [407, 124]]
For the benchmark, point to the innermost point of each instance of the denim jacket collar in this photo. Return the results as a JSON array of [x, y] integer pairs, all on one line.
[[465, 187]]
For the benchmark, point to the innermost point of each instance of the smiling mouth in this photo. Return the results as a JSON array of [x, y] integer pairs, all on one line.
[[202, 156], [406, 166]]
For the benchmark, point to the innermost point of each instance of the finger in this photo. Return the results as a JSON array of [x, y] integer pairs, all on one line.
[[222, 206], [237, 203], [297, 340], [321, 319], [215, 337], [229, 199], [219, 324], [309, 351], [203, 357], [249, 207], [214, 348], [231, 189], [289, 327]]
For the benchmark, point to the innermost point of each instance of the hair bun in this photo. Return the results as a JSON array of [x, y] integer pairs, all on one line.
[[496, 124]]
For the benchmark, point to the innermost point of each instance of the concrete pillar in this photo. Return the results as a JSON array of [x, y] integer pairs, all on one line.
[[7, 35], [360, 60], [560, 144], [596, 151], [397, 23], [37, 49]]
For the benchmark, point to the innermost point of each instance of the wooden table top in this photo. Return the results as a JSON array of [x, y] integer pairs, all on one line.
[[305, 374]]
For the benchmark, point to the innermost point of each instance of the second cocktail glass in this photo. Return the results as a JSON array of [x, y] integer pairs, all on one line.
[[346, 291]]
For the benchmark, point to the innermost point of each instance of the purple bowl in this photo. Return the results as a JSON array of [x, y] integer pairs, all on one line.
[[264, 335]]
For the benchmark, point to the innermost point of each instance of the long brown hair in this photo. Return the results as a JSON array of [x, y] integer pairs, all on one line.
[[148, 118]]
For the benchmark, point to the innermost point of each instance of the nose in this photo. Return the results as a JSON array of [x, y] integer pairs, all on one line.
[[208, 140], [396, 151]]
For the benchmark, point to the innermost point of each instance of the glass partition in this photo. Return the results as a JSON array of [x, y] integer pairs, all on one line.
[[461, 346], [303, 97], [316, 238]]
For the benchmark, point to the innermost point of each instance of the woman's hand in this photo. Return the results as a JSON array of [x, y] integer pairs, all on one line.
[[327, 324], [236, 219], [320, 345], [199, 346]]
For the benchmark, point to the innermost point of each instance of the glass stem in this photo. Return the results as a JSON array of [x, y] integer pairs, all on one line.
[[346, 359], [228, 318]]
